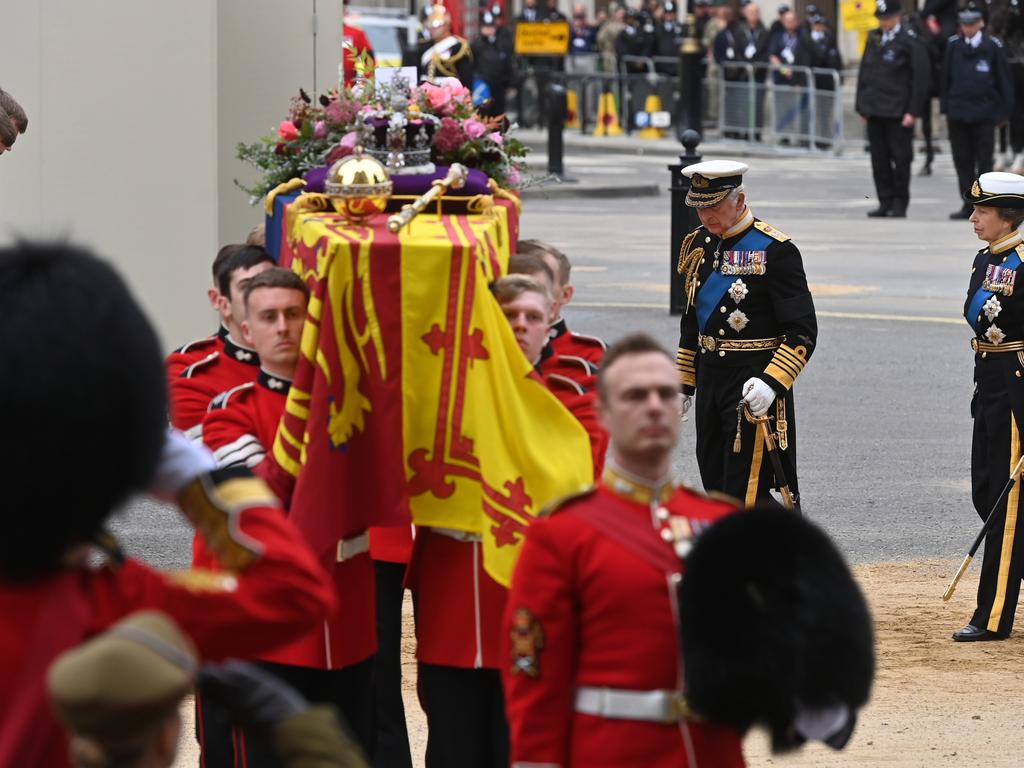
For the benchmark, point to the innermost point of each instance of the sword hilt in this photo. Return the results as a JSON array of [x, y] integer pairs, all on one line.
[[956, 579]]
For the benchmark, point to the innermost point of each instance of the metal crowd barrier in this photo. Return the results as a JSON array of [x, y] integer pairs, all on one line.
[[773, 106], [776, 105]]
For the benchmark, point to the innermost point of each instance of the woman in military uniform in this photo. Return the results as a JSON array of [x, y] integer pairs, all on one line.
[[995, 311]]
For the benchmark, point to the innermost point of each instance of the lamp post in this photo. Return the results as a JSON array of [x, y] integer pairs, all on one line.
[[684, 218], [689, 106]]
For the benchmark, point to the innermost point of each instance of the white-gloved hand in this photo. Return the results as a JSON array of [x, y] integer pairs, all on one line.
[[758, 396], [181, 461], [685, 401]]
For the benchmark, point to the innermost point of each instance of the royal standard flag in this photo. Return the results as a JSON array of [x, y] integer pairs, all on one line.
[[412, 398]]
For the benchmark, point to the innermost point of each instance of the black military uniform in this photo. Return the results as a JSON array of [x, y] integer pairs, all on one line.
[[977, 93], [494, 64], [893, 82], [995, 310], [749, 315]]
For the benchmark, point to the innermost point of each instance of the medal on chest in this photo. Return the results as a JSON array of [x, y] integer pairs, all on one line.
[[999, 279], [744, 262]]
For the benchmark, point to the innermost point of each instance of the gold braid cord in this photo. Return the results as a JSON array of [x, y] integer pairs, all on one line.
[[689, 263]]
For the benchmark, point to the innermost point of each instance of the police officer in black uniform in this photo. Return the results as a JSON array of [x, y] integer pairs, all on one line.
[[494, 66], [995, 310], [748, 331], [892, 92], [977, 94]]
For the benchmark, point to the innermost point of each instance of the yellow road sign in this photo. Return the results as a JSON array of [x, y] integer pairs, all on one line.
[[859, 15], [542, 38]]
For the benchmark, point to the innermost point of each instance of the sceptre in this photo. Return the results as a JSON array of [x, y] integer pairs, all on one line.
[[456, 179]]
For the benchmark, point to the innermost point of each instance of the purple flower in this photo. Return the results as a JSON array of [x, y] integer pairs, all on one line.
[[319, 129], [498, 139]]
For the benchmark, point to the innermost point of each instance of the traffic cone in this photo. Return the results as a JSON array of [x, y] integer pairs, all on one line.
[[572, 112], [652, 104], [607, 116]]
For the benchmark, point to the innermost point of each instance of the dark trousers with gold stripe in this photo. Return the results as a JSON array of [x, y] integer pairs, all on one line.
[[998, 417], [747, 475]]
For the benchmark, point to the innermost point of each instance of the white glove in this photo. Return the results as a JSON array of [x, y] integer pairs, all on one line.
[[181, 461], [685, 401], [759, 396]]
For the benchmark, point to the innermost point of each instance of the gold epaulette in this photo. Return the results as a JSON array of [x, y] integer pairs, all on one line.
[[771, 231], [564, 501]]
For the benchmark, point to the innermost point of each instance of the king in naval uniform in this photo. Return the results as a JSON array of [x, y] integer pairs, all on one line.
[[748, 330]]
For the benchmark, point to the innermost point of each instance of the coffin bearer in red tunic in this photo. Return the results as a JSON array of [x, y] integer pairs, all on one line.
[[528, 307], [55, 590], [194, 351], [458, 624], [228, 362], [590, 660], [563, 341], [332, 664]]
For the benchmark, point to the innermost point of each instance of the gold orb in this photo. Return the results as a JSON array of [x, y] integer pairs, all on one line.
[[358, 186]]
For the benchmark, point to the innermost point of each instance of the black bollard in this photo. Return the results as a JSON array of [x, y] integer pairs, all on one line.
[[684, 218], [558, 110]]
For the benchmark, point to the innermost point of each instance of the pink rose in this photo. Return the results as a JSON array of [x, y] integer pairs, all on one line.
[[437, 97], [474, 129], [512, 177], [319, 129], [498, 139], [288, 131]]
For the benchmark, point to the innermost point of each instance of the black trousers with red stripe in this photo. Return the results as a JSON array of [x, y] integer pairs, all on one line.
[[746, 475], [998, 410]]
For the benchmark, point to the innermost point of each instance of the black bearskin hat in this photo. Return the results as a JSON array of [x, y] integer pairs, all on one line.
[[772, 626], [85, 406]]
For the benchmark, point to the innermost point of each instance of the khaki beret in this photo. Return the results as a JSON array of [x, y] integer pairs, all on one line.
[[120, 685]]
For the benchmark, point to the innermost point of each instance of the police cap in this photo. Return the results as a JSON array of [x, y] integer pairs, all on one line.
[[884, 8], [118, 687], [997, 189], [970, 13], [711, 181]]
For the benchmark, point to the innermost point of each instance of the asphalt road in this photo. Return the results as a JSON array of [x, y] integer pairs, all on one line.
[[882, 406]]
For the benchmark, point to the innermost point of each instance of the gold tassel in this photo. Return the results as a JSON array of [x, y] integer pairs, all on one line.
[[781, 425], [737, 444]]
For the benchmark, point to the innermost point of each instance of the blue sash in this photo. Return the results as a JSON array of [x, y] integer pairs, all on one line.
[[711, 293], [981, 296]]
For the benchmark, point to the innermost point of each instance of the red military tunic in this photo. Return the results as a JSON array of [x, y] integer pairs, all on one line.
[[183, 357], [240, 428], [283, 594], [586, 610], [566, 342], [195, 387]]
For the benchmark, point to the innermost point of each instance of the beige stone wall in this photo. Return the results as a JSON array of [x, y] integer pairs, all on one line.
[[135, 107]]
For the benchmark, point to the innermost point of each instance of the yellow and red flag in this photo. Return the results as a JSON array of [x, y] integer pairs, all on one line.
[[412, 397]]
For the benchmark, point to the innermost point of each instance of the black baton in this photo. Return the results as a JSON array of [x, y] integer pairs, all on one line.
[[989, 522]]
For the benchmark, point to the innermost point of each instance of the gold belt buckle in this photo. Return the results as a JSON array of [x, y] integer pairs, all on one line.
[[709, 343], [974, 344], [679, 708]]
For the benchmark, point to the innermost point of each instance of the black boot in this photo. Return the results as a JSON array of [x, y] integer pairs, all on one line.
[[963, 213], [880, 212], [898, 210]]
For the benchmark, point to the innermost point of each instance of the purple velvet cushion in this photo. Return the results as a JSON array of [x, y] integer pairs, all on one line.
[[417, 184]]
